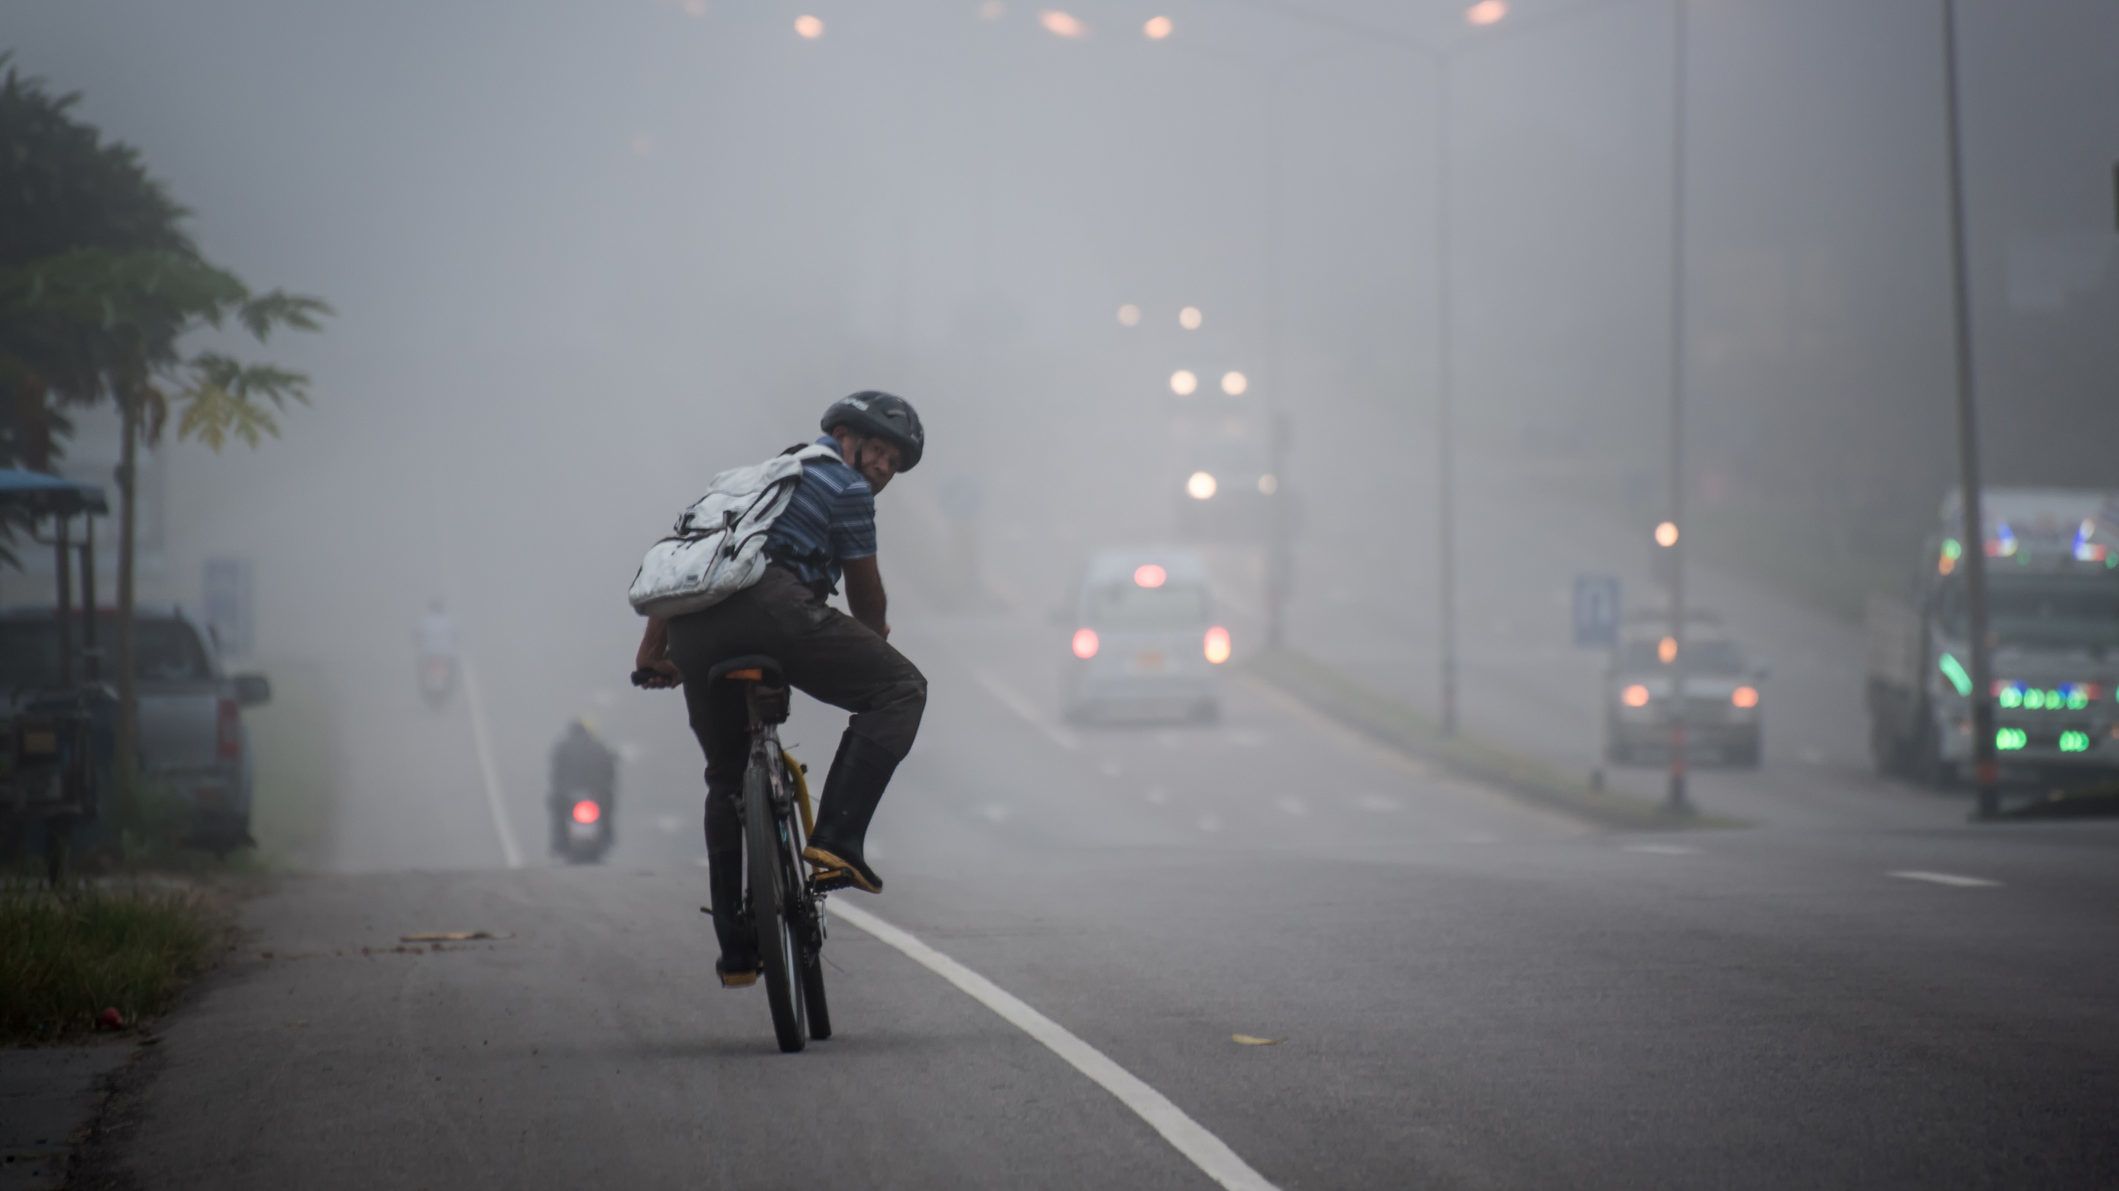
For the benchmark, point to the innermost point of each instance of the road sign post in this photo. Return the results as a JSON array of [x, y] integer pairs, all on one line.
[[1596, 611]]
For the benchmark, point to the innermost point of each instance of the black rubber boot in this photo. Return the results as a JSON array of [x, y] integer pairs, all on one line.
[[856, 782], [738, 965]]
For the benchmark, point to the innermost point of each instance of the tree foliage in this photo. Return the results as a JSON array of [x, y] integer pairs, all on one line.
[[100, 286]]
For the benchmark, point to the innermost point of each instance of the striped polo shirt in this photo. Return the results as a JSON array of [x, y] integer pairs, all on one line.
[[832, 518]]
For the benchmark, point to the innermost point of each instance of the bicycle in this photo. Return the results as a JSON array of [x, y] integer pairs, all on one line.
[[783, 901]]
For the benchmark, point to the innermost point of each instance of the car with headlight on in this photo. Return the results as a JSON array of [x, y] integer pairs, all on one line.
[[1723, 698], [1223, 483], [1144, 638]]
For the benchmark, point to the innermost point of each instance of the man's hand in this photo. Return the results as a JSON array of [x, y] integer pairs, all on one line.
[[659, 676]]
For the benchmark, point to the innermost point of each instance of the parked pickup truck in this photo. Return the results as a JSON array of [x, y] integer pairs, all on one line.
[[193, 745]]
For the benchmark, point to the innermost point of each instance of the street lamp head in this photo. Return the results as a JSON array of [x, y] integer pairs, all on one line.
[[1183, 383], [1234, 383], [1062, 24], [1190, 318], [1486, 12], [808, 27], [1666, 534], [1156, 29], [1129, 315]]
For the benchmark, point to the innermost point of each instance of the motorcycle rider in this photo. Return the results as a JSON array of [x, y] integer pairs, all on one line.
[[827, 533], [581, 764]]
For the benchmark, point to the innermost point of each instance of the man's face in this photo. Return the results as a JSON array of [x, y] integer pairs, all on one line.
[[877, 461]]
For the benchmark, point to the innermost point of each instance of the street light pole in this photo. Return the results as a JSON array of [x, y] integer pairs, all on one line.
[[1677, 802], [1975, 538], [1445, 453]]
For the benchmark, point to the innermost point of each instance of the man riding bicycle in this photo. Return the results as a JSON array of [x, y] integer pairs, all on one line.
[[827, 531]]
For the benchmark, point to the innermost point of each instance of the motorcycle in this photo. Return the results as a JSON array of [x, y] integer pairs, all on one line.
[[437, 679], [581, 832]]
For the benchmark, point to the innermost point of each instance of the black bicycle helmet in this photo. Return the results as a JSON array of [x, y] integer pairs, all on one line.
[[882, 415]]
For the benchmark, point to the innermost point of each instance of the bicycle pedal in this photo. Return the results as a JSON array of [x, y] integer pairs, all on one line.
[[830, 879]]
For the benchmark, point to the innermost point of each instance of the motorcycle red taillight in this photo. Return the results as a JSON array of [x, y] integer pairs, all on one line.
[[228, 731], [586, 811]]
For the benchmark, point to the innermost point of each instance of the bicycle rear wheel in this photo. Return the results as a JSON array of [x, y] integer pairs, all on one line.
[[769, 895]]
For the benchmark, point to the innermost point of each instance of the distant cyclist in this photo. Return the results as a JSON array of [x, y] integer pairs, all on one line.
[[827, 532]]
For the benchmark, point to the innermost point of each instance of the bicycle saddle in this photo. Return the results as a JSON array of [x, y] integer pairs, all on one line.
[[763, 669]]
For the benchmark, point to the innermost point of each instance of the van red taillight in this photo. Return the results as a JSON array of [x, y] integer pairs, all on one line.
[[1217, 645], [586, 811], [228, 731], [1085, 643]]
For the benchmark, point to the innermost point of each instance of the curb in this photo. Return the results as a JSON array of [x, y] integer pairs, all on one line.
[[1397, 726]]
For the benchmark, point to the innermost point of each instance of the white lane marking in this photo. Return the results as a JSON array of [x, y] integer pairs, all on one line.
[[1377, 804], [1292, 805], [1663, 849], [1206, 1151], [484, 746], [1021, 707], [1944, 879]]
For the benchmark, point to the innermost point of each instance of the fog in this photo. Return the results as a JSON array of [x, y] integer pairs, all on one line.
[[584, 256]]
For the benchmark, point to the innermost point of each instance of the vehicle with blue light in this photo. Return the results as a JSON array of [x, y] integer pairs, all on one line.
[[2053, 623], [1722, 691], [1145, 641]]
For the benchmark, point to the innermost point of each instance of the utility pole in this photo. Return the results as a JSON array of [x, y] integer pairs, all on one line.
[[1984, 769], [1678, 803]]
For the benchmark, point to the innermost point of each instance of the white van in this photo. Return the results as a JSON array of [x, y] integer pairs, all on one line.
[[1144, 638]]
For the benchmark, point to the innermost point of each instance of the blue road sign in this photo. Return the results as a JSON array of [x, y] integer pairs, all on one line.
[[1596, 608]]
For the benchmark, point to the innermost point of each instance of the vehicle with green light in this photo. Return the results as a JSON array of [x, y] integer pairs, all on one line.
[[2053, 624], [1722, 703]]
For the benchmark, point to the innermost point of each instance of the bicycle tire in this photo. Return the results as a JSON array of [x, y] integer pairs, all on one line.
[[776, 943], [813, 979]]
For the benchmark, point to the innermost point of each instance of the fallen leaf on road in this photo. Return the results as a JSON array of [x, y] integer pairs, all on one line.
[[1248, 1040], [449, 936]]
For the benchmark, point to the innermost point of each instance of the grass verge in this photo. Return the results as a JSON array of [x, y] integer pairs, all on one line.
[[1399, 726], [70, 954]]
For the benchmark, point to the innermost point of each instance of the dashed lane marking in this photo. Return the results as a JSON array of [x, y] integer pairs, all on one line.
[[1663, 849], [1950, 879], [1204, 1150]]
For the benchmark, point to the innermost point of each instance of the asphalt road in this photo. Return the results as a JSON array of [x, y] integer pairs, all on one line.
[[1450, 990]]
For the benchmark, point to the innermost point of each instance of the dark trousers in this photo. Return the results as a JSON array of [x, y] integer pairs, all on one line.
[[823, 652]]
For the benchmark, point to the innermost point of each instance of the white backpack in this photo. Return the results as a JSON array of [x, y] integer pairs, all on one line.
[[717, 547]]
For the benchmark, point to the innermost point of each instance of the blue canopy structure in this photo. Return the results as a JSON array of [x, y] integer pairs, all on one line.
[[43, 495]]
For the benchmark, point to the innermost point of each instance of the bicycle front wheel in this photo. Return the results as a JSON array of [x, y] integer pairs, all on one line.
[[769, 894]]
